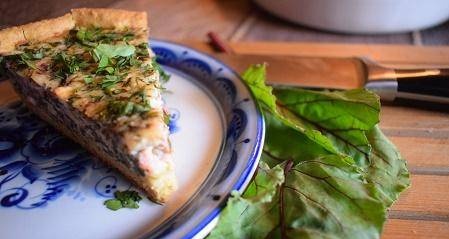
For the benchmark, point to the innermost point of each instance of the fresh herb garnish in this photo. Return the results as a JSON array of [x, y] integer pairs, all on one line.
[[86, 36], [93, 36], [65, 65], [110, 51], [82, 34], [128, 36], [142, 50], [167, 118], [97, 98], [39, 54], [88, 79], [28, 56], [108, 56], [124, 199], [123, 62], [110, 81], [117, 108], [113, 204], [25, 60], [164, 77]]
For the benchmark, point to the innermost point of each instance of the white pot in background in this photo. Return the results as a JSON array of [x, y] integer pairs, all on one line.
[[361, 16]]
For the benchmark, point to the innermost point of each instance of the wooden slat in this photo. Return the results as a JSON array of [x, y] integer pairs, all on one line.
[[386, 54], [189, 19], [269, 28], [427, 196], [404, 229], [424, 152], [414, 122], [437, 35], [389, 55]]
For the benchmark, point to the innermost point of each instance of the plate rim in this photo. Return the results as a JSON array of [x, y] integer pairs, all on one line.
[[202, 228]]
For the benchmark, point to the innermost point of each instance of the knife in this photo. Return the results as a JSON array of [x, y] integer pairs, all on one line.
[[431, 85]]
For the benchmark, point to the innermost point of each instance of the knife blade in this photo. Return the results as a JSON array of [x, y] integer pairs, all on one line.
[[349, 73]]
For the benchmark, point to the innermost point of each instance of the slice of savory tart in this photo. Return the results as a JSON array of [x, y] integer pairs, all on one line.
[[91, 75]]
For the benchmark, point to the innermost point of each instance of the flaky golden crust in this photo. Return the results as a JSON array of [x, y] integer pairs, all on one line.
[[43, 30], [109, 18], [34, 32], [9, 38], [48, 29]]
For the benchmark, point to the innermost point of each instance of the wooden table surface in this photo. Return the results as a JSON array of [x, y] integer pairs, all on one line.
[[235, 20], [421, 134]]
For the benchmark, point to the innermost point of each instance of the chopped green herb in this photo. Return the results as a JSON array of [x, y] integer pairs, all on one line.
[[104, 54], [109, 69], [97, 97], [164, 77], [81, 34], [82, 39], [113, 204], [147, 69], [166, 118], [88, 79], [124, 199], [110, 81], [28, 56], [142, 94], [26, 61], [128, 198], [128, 36], [35, 55], [84, 34], [110, 51], [127, 61], [103, 62], [92, 36], [134, 62], [142, 50], [117, 108], [66, 65]]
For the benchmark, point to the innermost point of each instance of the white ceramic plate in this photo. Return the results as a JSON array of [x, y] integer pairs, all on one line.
[[50, 187], [361, 16]]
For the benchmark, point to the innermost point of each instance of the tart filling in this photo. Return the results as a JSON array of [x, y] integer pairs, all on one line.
[[100, 85]]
